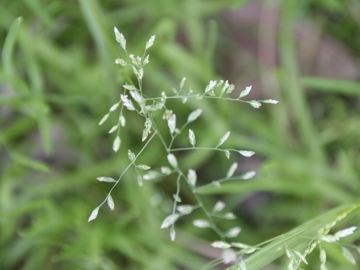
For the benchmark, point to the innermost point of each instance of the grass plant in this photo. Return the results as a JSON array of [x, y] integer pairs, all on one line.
[[57, 78], [296, 244]]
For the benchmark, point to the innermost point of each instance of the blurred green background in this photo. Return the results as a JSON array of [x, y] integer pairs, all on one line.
[[58, 78]]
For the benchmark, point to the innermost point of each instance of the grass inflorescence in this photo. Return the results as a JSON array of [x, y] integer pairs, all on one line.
[[296, 244]]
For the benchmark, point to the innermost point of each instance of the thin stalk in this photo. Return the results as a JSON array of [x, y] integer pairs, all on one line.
[[128, 167]]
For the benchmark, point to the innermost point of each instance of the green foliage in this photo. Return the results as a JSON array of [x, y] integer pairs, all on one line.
[[58, 78]]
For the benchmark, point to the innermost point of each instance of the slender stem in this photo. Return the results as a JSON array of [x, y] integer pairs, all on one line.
[[201, 204], [200, 97], [212, 184], [119, 124], [158, 133], [194, 148], [177, 192], [176, 134], [128, 167], [204, 148], [209, 216]]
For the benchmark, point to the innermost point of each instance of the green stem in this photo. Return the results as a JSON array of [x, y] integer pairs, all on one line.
[[222, 180], [176, 134], [128, 167], [158, 133], [201, 204]]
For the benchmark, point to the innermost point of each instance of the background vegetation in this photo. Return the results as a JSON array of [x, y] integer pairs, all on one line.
[[58, 78]]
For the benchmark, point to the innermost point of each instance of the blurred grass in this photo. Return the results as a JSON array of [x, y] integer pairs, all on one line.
[[58, 78]]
